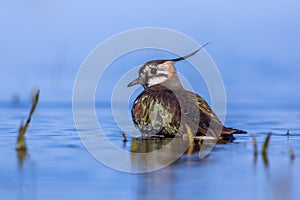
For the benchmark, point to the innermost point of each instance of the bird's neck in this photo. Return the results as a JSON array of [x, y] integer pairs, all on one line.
[[173, 83]]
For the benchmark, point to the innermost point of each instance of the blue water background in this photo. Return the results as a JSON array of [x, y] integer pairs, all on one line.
[[58, 166]]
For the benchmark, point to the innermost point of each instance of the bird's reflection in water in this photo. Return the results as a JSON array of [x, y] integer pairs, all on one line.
[[147, 145], [174, 145], [156, 185], [160, 183], [150, 154]]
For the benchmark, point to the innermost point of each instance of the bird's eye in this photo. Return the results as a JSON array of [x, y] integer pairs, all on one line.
[[153, 71]]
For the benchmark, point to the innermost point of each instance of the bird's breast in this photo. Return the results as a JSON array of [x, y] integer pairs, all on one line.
[[156, 112]]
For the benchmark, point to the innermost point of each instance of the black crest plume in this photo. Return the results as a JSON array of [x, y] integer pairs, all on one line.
[[189, 55]]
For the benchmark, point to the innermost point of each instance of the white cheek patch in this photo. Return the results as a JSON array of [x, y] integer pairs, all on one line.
[[156, 80]]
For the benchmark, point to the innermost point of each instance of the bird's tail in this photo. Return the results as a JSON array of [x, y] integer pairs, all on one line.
[[230, 131], [227, 134]]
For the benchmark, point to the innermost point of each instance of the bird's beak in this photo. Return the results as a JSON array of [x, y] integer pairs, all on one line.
[[134, 82]]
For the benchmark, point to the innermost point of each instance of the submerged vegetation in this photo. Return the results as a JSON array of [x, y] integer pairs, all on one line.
[[265, 149], [266, 145], [292, 154], [21, 144], [254, 145], [124, 136], [254, 148]]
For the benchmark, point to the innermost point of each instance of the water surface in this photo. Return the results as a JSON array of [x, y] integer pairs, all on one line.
[[57, 165]]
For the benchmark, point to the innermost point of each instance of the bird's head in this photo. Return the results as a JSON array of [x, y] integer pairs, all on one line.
[[154, 72], [159, 72]]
